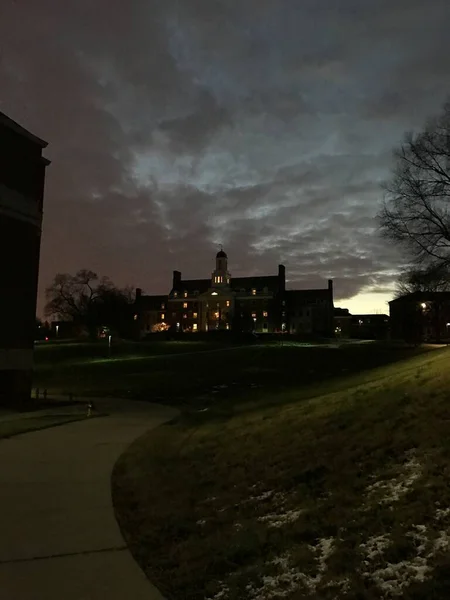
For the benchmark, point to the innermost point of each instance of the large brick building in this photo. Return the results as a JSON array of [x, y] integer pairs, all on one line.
[[222, 302], [22, 174], [421, 317]]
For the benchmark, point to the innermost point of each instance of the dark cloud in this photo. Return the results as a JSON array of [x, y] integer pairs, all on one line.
[[265, 125]]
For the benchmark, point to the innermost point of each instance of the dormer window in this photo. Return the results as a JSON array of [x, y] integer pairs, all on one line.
[[185, 294], [175, 294], [163, 306]]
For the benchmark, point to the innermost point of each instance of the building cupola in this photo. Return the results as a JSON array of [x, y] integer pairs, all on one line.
[[220, 276]]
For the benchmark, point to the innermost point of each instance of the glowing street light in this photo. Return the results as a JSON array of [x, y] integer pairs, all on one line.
[[423, 305]]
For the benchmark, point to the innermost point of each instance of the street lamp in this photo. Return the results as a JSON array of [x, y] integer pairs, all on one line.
[[423, 305], [57, 330]]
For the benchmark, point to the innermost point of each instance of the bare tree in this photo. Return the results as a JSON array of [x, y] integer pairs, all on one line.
[[431, 279], [415, 214], [87, 300]]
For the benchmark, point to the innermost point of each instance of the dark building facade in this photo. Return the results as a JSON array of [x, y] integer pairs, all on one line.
[[421, 317], [22, 175], [360, 327], [222, 302]]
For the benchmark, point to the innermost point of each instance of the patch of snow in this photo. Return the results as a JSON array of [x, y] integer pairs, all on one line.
[[374, 547], [419, 535], [289, 579], [263, 496], [395, 577], [392, 490], [442, 513], [441, 543], [279, 519], [222, 594]]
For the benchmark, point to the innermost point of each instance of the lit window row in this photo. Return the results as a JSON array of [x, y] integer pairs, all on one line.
[[265, 314]]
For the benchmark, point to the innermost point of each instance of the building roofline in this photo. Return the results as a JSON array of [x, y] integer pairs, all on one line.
[[14, 126]]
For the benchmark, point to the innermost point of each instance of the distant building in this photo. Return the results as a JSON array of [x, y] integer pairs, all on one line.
[[421, 316], [369, 327], [22, 178], [222, 302], [342, 323], [362, 327], [151, 313]]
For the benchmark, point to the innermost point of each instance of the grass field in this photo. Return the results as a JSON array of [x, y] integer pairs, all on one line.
[[199, 375], [330, 480]]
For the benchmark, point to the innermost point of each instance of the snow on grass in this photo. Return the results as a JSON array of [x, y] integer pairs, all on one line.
[[393, 578], [442, 513], [277, 520], [374, 547], [222, 594], [391, 490], [289, 579]]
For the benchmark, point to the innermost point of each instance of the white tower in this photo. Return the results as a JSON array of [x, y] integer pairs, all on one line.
[[221, 276]]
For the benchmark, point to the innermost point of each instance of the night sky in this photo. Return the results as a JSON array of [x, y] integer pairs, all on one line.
[[263, 125]]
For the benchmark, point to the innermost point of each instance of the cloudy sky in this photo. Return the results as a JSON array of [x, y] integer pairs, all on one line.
[[263, 125]]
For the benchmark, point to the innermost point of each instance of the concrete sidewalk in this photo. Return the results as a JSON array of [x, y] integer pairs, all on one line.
[[58, 535]]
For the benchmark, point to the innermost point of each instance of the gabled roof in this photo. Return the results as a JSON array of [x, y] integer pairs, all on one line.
[[258, 282], [236, 283], [152, 302], [193, 285]]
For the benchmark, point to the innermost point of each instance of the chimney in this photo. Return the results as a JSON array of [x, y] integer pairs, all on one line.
[[176, 279], [138, 294], [282, 277], [330, 289]]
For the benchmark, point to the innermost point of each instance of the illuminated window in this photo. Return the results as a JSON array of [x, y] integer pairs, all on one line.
[[184, 304], [175, 294], [194, 327], [254, 315], [213, 293], [228, 303], [228, 326], [162, 316], [185, 316], [195, 315], [135, 317], [217, 314], [163, 305], [265, 313], [254, 292]]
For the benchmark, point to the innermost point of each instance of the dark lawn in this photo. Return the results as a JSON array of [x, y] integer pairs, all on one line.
[[336, 490], [199, 375]]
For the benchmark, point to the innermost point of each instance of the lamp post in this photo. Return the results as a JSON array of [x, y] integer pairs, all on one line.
[[109, 345], [57, 330]]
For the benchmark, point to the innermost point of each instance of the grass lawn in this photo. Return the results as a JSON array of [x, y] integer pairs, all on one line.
[[197, 374], [25, 425], [328, 481]]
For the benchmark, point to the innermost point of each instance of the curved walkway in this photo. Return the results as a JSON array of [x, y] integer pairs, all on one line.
[[59, 538]]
